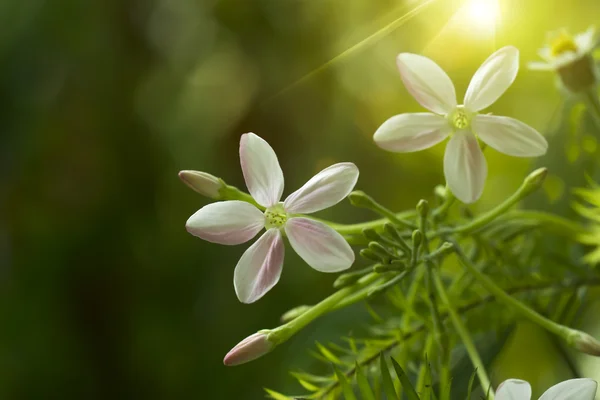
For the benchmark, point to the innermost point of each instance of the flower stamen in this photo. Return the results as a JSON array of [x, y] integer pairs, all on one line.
[[275, 217], [460, 118], [562, 43]]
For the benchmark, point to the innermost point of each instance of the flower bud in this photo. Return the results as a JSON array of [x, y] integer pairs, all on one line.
[[534, 180], [586, 344], [203, 183], [579, 75], [251, 348], [423, 208]]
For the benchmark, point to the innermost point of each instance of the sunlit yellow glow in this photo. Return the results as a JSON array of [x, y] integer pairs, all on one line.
[[484, 13]]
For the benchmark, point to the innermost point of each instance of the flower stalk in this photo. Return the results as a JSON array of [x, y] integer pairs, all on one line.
[[574, 338]]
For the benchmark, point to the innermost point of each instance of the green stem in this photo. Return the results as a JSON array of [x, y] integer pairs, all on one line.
[[590, 97], [286, 331], [441, 339], [464, 335], [531, 183], [552, 222], [356, 229], [568, 334]]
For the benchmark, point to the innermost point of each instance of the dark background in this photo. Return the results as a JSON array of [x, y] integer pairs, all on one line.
[[103, 294]]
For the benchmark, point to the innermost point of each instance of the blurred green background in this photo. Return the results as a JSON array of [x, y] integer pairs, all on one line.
[[103, 294]]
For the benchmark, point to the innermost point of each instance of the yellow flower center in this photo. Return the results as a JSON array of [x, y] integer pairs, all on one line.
[[562, 43], [275, 217], [460, 118]]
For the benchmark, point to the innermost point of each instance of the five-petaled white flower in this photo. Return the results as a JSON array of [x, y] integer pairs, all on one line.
[[465, 166], [563, 49], [573, 389], [235, 222]]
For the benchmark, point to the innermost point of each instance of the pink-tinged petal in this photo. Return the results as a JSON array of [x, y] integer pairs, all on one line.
[[412, 132], [513, 389], [509, 136], [226, 222], [323, 190], [427, 82], [465, 167], [249, 349], [261, 170], [573, 389], [259, 268], [319, 245], [492, 79]]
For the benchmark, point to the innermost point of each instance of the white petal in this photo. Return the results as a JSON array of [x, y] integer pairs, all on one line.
[[323, 190], [586, 41], [546, 53], [573, 389], [492, 79], [259, 268], [261, 169], [509, 136], [427, 82], [412, 132], [465, 167], [319, 245], [540, 66], [226, 222], [513, 389]]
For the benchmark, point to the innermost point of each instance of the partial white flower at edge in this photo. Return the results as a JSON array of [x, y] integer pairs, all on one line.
[[465, 167], [236, 222], [563, 49], [573, 389]]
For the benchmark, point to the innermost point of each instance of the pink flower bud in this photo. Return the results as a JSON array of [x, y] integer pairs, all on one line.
[[203, 183], [251, 348]]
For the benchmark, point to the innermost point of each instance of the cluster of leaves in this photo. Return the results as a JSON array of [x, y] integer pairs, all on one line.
[[514, 251]]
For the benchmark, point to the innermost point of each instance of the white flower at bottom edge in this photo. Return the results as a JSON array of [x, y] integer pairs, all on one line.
[[235, 222], [572, 389], [563, 49], [465, 167]]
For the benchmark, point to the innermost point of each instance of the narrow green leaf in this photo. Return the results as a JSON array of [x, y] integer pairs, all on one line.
[[277, 396], [308, 386], [405, 382], [328, 354], [471, 381], [363, 384], [311, 377], [427, 389], [346, 387], [386, 378]]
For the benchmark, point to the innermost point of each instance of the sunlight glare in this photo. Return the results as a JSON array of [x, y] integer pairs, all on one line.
[[484, 13]]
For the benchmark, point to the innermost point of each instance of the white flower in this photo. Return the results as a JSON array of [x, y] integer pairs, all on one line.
[[235, 222], [573, 389], [564, 49], [465, 167]]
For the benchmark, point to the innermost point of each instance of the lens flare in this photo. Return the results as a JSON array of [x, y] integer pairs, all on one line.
[[483, 13]]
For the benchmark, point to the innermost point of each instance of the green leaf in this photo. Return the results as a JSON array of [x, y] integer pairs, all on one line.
[[311, 377], [277, 396], [388, 385], [308, 386], [346, 387], [405, 382], [363, 384], [471, 381], [328, 354]]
